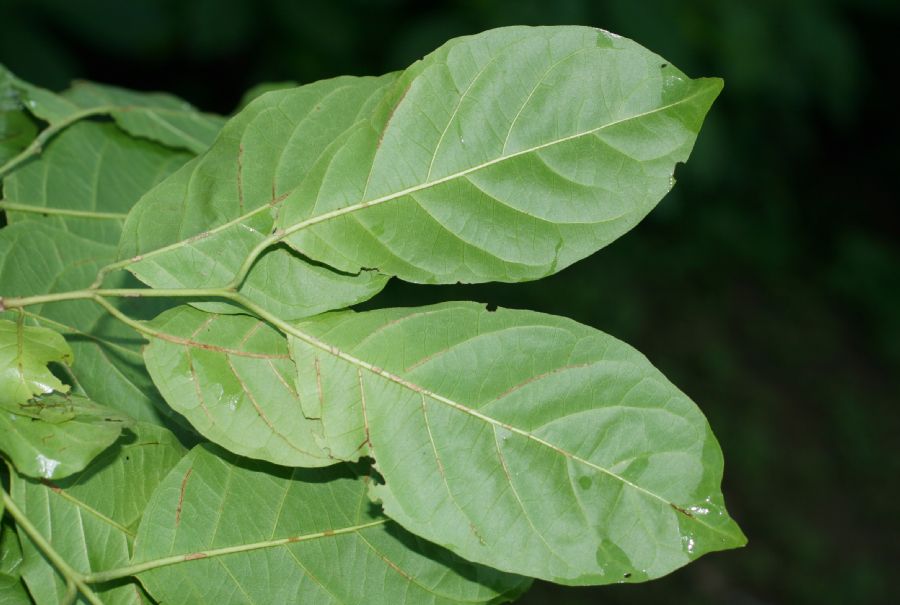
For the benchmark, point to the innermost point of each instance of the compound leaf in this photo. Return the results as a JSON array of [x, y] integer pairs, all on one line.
[[522, 441], [293, 536], [91, 519]]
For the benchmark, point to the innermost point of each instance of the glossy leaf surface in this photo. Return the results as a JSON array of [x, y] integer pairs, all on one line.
[[91, 519], [523, 441], [56, 436], [304, 536]]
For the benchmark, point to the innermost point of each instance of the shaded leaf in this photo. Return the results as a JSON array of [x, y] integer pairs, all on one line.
[[25, 352], [108, 368], [305, 536], [42, 103], [232, 378], [10, 549], [156, 116], [12, 590], [56, 436], [90, 519], [196, 228], [261, 89], [17, 130], [523, 441], [90, 168]]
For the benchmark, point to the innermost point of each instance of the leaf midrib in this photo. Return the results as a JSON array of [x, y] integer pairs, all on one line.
[[326, 216], [461, 173], [408, 384]]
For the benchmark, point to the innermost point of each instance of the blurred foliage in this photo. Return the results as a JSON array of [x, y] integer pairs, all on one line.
[[766, 285]]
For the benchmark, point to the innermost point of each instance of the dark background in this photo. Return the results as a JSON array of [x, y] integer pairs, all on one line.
[[766, 284]]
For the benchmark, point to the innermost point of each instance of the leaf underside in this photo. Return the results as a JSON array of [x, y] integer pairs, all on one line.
[[91, 518], [308, 536], [449, 453]]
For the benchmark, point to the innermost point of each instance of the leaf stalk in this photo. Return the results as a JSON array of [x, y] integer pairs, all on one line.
[[71, 576]]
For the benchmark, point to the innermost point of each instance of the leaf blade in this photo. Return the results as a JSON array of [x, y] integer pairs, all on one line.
[[39, 259], [54, 437], [90, 519], [197, 228], [25, 352], [313, 532], [527, 429], [510, 205], [91, 168], [231, 377]]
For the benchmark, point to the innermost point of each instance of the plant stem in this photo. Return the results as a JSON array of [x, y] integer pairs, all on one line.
[[19, 302], [131, 570], [34, 209], [71, 576], [38, 143]]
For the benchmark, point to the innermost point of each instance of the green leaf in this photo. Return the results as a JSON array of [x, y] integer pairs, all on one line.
[[88, 178], [12, 590], [232, 378], [295, 536], [10, 548], [56, 436], [261, 89], [17, 130], [91, 519], [108, 366], [515, 153], [42, 103], [156, 116], [197, 228], [522, 441], [25, 352]]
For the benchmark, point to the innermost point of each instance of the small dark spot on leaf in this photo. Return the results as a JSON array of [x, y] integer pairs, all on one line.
[[681, 510], [664, 65], [627, 574], [491, 307]]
